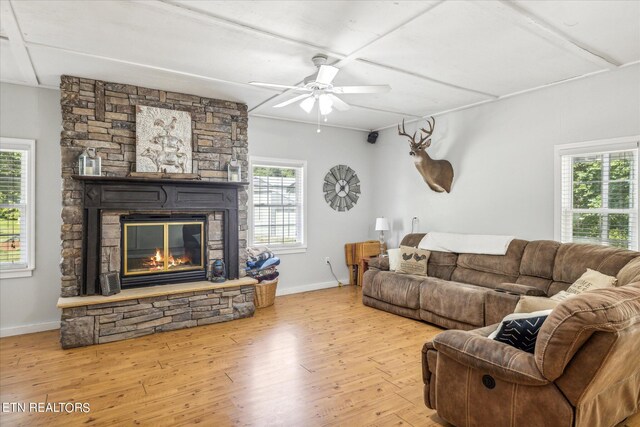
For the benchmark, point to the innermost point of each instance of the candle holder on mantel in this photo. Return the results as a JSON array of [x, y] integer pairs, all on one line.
[[234, 170], [89, 163]]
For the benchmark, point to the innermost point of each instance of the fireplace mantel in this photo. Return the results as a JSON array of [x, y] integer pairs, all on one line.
[[153, 194]]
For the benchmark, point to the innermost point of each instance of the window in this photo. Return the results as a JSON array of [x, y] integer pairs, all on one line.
[[17, 169], [278, 204], [599, 193]]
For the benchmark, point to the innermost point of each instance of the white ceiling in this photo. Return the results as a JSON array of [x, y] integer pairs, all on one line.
[[437, 56]]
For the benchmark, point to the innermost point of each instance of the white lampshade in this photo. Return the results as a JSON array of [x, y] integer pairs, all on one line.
[[325, 104], [382, 224], [307, 104]]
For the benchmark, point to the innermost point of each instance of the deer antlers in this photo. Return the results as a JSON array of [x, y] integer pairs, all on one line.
[[425, 140]]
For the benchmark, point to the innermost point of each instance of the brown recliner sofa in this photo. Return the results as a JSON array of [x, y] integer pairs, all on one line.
[[585, 370], [468, 291]]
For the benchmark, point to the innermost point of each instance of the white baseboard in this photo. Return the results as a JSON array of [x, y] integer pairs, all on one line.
[[29, 329], [309, 287]]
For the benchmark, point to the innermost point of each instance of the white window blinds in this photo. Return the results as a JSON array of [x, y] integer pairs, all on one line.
[[277, 215], [600, 195], [16, 204]]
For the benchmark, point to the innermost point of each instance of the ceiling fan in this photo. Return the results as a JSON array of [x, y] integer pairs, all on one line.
[[318, 87]]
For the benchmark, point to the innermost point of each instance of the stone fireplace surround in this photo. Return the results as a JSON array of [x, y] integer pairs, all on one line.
[[106, 199], [101, 115]]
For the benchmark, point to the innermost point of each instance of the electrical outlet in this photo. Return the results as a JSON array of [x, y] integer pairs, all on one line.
[[327, 260]]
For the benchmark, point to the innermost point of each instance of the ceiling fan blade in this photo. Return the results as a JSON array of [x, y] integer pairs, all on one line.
[[362, 89], [277, 86], [307, 104], [292, 100], [338, 103], [326, 74]]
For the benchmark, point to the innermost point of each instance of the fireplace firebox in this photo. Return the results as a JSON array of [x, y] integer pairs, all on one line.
[[160, 249]]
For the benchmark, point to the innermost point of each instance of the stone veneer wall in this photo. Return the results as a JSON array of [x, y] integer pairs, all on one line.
[[120, 320], [102, 115]]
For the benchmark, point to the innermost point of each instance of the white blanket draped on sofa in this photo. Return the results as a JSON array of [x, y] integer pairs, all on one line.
[[466, 243]]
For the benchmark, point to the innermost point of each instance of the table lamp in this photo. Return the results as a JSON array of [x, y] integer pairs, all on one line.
[[382, 225]]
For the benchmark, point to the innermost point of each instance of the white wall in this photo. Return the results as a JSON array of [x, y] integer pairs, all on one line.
[[502, 156], [29, 304], [327, 229]]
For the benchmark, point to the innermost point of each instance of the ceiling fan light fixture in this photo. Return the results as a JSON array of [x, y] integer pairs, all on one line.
[[307, 104], [326, 105]]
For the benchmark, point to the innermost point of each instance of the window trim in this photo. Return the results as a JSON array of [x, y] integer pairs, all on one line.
[[584, 147], [28, 145], [273, 161]]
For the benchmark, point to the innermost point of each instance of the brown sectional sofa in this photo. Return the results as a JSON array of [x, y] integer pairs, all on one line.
[[468, 291], [585, 369]]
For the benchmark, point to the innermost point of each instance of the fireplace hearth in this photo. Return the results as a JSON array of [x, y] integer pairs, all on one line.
[[159, 249]]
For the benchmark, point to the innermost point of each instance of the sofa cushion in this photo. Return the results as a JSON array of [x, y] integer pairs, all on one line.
[[398, 289], [556, 287], [506, 265], [442, 264], [453, 300], [412, 239], [536, 282], [573, 259], [538, 258], [480, 278], [630, 273]]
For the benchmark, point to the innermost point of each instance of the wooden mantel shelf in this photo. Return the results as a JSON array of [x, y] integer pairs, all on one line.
[[153, 291], [154, 180]]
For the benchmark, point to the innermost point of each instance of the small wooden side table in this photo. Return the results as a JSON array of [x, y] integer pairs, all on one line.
[[355, 253]]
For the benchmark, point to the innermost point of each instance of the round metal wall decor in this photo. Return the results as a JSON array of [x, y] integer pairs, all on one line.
[[341, 188]]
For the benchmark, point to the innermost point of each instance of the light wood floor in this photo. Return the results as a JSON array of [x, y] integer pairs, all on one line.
[[313, 359]]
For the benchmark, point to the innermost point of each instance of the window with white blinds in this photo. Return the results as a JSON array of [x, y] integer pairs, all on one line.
[[277, 200], [599, 195], [17, 169]]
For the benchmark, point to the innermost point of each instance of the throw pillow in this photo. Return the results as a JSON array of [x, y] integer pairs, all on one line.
[[529, 304], [520, 330], [561, 296], [413, 261], [591, 279], [394, 259]]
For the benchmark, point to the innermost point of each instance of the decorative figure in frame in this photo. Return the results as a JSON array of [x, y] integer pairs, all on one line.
[[163, 140]]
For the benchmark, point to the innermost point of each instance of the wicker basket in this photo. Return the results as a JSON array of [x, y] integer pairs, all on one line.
[[266, 293]]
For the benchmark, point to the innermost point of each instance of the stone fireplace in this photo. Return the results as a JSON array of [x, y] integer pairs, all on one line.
[[154, 232], [102, 115]]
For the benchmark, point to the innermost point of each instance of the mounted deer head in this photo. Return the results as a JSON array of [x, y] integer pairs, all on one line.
[[438, 174]]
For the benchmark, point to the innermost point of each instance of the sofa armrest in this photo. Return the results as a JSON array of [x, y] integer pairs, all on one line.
[[429, 362], [497, 305], [517, 289], [493, 357], [379, 263]]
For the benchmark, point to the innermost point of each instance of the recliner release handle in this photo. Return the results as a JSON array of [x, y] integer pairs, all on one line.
[[488, 381]]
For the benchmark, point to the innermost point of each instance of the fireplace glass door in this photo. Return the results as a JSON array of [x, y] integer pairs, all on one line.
[[162, 247]]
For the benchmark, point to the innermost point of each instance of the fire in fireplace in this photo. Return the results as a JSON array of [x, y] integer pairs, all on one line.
[[160, 249]]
